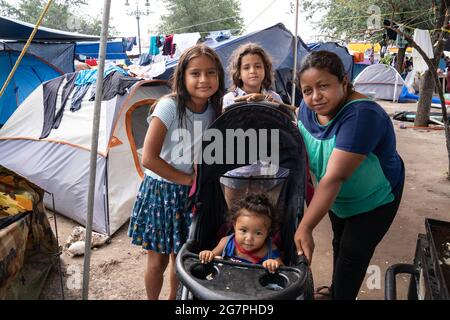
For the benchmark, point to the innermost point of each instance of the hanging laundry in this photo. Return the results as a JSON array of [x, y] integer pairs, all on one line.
[[183, 41], [153, 50], [220, 35], [392, 35], [51, 89], [400, 41], [116, 84], [128, 43], [91, 62], [168, 45], [159, 41], [145, 59], [423, 40], [78, 96], [90, 76]]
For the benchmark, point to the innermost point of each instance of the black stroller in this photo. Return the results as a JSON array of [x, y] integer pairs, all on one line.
[[224, 279]]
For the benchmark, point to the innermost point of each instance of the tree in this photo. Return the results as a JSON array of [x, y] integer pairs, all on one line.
[[352, 20], [66, 15], [201, 16]]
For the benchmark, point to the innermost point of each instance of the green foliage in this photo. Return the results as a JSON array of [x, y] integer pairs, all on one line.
[[66, 15], [201, 16], [387, 59], [350, 19]]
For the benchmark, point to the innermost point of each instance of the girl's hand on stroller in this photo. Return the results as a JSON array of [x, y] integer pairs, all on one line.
[[253, 97], [206, 256], [271, 265]]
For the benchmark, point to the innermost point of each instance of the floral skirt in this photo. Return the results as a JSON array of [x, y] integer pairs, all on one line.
[[158, 221]]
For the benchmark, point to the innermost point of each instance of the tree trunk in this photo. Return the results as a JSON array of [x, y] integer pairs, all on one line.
[[426, 89], [400, 59]]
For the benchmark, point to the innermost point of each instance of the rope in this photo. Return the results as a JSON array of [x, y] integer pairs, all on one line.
[[25, 48]]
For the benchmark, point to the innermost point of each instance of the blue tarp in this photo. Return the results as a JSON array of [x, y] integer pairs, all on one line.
[[59, 55], [114, 50], [11, 29], [30, 74], [342, 52]]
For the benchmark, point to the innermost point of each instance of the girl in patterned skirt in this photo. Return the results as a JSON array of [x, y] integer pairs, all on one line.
[[159, 221]]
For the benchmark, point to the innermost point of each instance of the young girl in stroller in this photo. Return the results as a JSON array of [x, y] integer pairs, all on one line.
[[253, 220]]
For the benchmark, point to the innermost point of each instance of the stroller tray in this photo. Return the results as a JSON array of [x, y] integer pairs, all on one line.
[[224, 279]]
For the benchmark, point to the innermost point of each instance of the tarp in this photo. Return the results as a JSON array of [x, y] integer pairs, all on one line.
[[11, 29], [342, 52], [28, 246], [31, 72], [59, 55], [114, 50]]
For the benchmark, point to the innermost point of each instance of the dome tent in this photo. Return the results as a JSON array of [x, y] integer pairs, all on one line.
[[31, 72], [59, 163], [380, 81]]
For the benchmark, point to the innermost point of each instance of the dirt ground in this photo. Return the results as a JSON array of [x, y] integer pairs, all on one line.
[[117, 268]]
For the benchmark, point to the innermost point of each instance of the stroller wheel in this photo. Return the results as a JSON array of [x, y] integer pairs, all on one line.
[[308, 291], [183, 293]]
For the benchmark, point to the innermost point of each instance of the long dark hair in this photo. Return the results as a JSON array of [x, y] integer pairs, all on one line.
[[236, 62], [179, 91], [325, 60], [257, 203]]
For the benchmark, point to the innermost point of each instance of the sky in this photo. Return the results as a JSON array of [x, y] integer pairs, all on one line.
[[257, 15]]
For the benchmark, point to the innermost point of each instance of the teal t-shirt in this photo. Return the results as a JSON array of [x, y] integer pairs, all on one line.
[[363, 127]]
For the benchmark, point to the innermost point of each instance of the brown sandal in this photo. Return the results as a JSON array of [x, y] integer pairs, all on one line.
[[322, 293]]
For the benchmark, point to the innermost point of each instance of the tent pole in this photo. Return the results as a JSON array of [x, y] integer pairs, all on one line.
[[94, 146], [25, 48], [294, 67]]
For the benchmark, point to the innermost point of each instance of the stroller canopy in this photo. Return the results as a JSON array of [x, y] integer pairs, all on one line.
[[264, 127]]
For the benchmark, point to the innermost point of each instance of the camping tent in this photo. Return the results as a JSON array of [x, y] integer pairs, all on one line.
[[380, 81], [28, 246], [276, 40], [50, 54], [32, 72], [342, 52], [59, 163]]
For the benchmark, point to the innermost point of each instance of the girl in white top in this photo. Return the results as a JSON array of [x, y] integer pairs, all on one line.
[[159, 221], [251, 71]]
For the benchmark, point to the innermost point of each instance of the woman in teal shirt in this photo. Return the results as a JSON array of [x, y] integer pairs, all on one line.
[[352, 153]]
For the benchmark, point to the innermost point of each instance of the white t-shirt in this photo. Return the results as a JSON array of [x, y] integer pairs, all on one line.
[[238, 92], [180, 144]]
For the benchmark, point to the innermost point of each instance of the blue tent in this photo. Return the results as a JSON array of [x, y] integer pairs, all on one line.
[[31, 72], [342, 52], [114, 50], [278, 43], [49, 55]]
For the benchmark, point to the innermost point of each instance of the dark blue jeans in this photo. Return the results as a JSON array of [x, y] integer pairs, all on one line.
[[354, 242]]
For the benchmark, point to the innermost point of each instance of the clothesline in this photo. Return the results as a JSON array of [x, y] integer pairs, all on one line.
[[370, 15]]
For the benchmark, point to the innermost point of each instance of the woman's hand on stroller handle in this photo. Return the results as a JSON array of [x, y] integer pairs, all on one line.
[[304, 242]]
